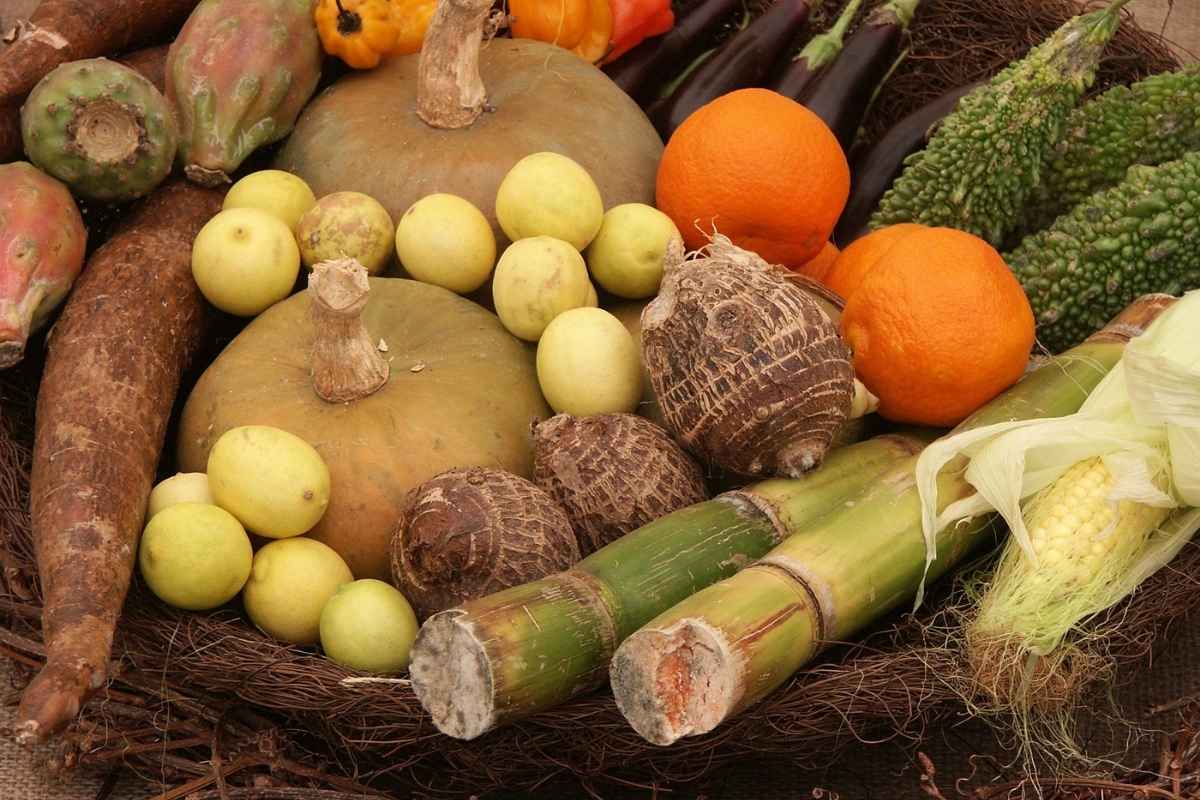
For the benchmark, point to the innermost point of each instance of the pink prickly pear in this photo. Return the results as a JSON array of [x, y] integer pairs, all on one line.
[[42, 244], [238, 75]]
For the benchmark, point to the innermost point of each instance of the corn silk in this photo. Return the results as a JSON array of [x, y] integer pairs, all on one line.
[[1095, 502]]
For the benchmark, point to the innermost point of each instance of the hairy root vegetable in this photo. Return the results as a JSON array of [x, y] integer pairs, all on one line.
[[747, 367], [613, 473], [42, 244], [151, 62], [59, 31], [133, 323], [470, 532]]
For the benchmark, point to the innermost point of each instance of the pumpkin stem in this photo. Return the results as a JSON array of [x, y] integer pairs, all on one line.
[[346, 364], [348, 22], [450, 91]]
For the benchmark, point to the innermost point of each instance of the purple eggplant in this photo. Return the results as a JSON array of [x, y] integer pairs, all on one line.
[[799, 76], [843, 94], [874, 169], [646, 69], [746, 59]]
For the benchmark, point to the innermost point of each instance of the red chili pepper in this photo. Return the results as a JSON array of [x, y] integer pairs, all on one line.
[[637, 20]]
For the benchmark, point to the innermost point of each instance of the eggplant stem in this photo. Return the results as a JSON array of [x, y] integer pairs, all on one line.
[[823, 48], [902, 11]]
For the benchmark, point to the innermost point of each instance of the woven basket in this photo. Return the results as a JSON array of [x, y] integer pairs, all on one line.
[[207, 703]]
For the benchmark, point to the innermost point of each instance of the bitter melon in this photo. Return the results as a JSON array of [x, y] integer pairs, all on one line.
[[1150, 122], [1140, 236], [981, 166]]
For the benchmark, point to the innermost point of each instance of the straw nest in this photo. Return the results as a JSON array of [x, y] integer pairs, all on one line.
[[206, 703]]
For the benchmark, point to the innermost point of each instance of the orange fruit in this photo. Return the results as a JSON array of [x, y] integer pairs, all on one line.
[[759, 168], [864, 253], [938, 328], [818, 268]]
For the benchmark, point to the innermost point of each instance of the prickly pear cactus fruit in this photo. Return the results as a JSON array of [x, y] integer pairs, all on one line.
[[101, 128], [42, 243], [237, 76]]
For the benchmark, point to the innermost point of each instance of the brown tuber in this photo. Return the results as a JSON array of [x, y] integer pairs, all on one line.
[[748, 368], [613, 473], [467, 533]]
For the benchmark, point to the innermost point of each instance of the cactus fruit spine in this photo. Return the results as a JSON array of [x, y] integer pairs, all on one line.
[[237, 76], [101, 128], [42, 243]]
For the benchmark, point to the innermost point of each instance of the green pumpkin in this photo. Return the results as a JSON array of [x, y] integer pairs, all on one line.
[[461, 391]]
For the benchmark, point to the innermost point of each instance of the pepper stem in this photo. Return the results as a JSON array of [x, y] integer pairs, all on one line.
[[450, 91], [347, 21], [346, 364]]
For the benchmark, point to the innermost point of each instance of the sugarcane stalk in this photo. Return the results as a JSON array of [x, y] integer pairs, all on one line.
[[728, 646], [533, 646]]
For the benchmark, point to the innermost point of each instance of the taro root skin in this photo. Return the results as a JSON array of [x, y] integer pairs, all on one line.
[[467, 533], [613, 473], [748, 369], [42, 244]]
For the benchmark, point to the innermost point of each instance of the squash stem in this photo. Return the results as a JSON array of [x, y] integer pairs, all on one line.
[[346, 363], [450, 90]]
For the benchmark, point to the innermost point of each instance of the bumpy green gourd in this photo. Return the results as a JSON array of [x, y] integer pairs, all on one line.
[[1151, 122], [982, 164], [1139, 237], [101, 128]]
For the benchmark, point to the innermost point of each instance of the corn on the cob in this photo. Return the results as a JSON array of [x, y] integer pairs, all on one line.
[[1083, 542]]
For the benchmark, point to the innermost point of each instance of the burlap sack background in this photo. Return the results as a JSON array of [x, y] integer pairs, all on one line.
[[882, 772]]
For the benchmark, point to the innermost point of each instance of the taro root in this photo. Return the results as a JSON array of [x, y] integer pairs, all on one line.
[[467, 533], [42, 243], [456, 117], [101, 127], [392, 386], [238, 75], [748, 369], [613, 473]]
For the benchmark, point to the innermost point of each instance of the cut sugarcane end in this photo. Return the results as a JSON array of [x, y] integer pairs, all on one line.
[[676, 682], [451, 677], [863, 402]]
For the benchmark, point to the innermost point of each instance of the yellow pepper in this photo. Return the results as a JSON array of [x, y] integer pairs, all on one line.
[[411, 18], [560, 22], [359, 32], [595, 42]]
